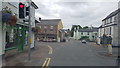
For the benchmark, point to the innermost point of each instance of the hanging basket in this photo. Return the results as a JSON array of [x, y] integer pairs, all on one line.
[[13, 20], [7, 16]]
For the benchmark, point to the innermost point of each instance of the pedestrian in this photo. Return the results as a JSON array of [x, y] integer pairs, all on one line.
[[104, 40]]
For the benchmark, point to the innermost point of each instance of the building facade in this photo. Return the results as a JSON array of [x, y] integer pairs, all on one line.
[[119, 26], [1, 32], [110, 27], [90, 33], [16, 37], [64, 35], [49, 29]]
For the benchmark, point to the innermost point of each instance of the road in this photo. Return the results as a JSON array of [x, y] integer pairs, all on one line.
[[75, 53]]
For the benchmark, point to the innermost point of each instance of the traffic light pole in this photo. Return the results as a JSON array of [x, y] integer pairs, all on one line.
[[29, 35]]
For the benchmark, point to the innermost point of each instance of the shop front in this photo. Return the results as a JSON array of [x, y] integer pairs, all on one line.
[[16, 37]]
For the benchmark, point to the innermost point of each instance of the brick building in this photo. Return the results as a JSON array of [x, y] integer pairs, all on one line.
[[49, 29]]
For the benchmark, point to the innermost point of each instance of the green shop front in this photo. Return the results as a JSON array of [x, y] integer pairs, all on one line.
[[16, 37]]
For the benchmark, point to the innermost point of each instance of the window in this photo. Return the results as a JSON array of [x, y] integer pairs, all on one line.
[[81, 33], [110, 31], [111, 20], [108, 21], [51, 28], [95, 34], [105, 22], [114, 18], [87, 33], [45, 27]]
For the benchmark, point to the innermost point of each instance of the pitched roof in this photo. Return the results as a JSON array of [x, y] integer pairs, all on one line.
[[85, 30], [50, 21], [112, 14], [63, 30], [88, 30]]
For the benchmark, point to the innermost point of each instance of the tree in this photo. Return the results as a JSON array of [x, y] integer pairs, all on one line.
[[85, 27], [72, 29]]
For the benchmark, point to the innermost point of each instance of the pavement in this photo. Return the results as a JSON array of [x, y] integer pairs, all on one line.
[[71, 53], [38, 55]]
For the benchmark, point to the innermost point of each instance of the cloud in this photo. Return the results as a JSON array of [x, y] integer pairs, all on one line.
[[76, 0], [71, 13]]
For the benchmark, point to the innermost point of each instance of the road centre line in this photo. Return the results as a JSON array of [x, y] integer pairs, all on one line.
[[46, 63]]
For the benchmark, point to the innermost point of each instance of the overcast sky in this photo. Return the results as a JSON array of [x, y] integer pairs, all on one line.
[[84, 13]]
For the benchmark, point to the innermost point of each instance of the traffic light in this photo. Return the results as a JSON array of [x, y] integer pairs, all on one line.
[[27, 10], [21, 10]]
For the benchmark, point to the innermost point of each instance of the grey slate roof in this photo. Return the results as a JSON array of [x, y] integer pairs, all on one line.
[[50, 22], [88, 30], [85, 30], [112, 14], [63, 30]]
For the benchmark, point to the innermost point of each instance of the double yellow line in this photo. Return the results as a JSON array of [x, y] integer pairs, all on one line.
[[46, 63]]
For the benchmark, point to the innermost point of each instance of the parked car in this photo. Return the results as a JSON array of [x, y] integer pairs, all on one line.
[[83, 41]]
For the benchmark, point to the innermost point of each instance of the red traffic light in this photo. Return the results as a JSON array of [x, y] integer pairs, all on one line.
[[21, 10], [21, 6]]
